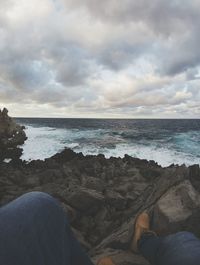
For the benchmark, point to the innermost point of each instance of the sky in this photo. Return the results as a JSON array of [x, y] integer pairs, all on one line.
[[100, 59]]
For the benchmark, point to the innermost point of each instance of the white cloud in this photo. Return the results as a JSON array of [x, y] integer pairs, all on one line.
[[100, 58]]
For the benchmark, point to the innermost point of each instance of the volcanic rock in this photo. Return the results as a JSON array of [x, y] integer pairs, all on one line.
[[178, 209], [11, 136], [85, 200]]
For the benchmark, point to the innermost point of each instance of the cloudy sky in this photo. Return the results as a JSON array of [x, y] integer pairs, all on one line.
[[108, 58]]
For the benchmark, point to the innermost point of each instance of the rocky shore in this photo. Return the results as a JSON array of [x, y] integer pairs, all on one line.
[[11, 136], [103, 196]]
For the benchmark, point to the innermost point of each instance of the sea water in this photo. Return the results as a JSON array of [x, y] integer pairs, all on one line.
[[165, 141]]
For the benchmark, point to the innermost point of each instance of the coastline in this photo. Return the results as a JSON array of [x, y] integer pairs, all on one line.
[[103, 196]]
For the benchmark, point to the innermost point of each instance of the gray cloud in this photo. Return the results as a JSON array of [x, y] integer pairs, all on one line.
[[165, 17], [175, 23], [105, 57]]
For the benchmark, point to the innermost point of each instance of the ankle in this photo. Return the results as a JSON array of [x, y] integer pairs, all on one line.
[[145, 236]]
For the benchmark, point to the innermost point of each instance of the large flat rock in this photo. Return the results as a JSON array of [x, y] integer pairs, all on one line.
[[178, 209]]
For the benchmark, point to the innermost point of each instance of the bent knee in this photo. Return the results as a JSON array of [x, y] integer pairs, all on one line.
[[37, 195], [37, 199], [34, 210]]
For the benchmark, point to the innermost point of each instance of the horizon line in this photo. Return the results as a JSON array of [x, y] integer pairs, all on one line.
[[107, 118]]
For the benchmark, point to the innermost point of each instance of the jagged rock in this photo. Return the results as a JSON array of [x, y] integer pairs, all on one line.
[[150, 173], [93, 183], [194, 176], [50, 175], [32, 181], [119, 239], [178, 209], [115, 200], [66, 155], [11, 136], [194, 172], [85, 200], [17, 177]]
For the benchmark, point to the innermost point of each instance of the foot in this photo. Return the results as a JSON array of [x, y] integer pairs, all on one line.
[[142, 225], [105, 261]]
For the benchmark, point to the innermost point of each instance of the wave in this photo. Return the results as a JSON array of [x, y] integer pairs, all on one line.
[[179, 148]]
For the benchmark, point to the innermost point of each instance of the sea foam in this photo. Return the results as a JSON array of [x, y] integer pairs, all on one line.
[[44, 142]]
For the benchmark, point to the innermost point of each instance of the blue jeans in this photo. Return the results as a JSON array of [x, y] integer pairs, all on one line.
[[182, 248], [34, 230]]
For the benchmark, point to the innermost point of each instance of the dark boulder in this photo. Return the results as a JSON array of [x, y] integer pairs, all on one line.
[[85, 200], [11, 136]]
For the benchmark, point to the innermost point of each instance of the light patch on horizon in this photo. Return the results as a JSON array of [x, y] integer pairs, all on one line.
[[73, 58]]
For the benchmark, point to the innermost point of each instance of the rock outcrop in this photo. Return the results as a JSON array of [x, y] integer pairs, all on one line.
[[12, 136], [178, 209], [103, 196]]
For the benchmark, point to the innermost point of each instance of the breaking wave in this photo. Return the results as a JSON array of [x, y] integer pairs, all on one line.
[[164, 144]]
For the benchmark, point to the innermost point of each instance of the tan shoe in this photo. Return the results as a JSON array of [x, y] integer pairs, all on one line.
[[105, 261], [142, 224]]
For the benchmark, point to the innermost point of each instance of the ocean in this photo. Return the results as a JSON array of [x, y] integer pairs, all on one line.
[[165, 141]]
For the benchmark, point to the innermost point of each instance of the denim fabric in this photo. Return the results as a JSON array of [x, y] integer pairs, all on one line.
[[34, 231], [182, 248], [148, 246]]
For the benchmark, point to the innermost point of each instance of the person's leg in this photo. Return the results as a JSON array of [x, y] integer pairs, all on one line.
[[34, 230], [148, 246], [182, 248]]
